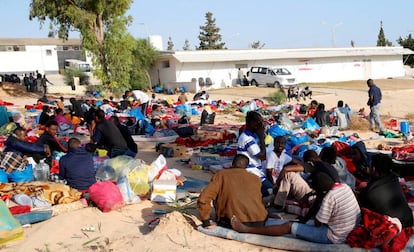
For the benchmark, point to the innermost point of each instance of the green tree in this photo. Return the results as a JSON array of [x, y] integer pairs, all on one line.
[[144, 57], [210, 37], [382, 41], [102, 25], [170, 44], [407, 42], [257, 45], [186, 45], [51, 33]]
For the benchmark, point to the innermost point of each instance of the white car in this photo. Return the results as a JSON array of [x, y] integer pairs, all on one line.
[[271, 77]]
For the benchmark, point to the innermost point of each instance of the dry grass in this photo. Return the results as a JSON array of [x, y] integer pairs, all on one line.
[[359, 123], [410, 117]]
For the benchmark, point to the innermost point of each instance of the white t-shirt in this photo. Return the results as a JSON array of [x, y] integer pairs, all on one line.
[[141, 96], [247, 145], [276, 163]]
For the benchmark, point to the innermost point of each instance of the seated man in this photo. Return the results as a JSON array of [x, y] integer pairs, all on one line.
[[132, 146], [106, 135], [49, 138], [44, 116], [337, 217], [235, 192], [342, 115], [203, 95], [77, 167], [306, 92], [290, 182], [17, 143]]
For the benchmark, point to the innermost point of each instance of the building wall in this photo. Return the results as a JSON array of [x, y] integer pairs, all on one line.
[[41, 58], [224, 74]]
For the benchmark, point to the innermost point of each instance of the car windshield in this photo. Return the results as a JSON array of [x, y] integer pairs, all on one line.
[[282, 71]]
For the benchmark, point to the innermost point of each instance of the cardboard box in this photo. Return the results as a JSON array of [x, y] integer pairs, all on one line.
[[164, 191], [175, 150]]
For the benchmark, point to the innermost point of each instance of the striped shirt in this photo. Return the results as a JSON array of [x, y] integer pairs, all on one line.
[[340, 212], [247, 145]]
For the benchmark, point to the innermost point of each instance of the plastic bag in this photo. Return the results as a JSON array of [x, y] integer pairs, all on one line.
[[310, 124], [10, 229], [21, 176], [138, 180], [129, 196], [276, 131], [157, 167], [106, 195], [122, 165], [3, 177]]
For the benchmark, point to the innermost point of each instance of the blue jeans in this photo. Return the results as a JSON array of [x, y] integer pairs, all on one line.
[[310, 232], [266, 184], [117, 151]]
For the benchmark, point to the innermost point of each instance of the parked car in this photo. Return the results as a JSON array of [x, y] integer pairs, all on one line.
[[10, 78], [271, 77]]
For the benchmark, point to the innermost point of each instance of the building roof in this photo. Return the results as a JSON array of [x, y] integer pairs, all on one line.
[[264, 54], [38, 41]]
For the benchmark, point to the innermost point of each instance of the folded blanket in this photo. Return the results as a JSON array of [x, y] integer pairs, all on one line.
[[53, 193]]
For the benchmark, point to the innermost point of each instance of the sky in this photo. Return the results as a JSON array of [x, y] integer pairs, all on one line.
[[277, 24]]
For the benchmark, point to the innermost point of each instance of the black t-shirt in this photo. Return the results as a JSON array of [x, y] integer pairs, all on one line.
[[44, 117]]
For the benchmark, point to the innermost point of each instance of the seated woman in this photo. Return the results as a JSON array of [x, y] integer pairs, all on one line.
[[65, 126]]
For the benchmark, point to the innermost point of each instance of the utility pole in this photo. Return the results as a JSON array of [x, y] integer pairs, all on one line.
[[333, 31]]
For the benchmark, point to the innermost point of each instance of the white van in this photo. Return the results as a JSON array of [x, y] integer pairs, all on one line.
[[78, 65], [271, 77]]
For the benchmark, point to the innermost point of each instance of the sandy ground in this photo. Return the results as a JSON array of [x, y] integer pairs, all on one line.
[[127, 229]]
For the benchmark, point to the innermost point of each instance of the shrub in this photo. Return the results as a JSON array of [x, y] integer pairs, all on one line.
[[70, 73], [277, 97]]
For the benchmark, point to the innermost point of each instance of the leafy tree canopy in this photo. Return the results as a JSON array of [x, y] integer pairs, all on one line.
[[102, 26]]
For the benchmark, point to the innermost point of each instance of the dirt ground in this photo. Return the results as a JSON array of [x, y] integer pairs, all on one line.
[[127, 229]]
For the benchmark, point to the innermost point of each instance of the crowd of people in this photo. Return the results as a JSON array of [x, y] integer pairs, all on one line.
[[260, 181], [341, 203]]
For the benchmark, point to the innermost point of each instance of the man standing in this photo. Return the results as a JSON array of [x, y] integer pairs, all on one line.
[[374, 102]]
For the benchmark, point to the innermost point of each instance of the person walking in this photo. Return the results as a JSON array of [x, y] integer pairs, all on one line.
[[374, 102]]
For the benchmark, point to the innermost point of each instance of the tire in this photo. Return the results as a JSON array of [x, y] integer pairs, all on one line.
[[254, 83], [276, 84]]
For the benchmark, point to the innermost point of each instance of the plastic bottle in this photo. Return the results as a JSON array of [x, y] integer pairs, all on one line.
[[41, 171]]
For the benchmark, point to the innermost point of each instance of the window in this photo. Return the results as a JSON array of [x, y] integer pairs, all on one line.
[[48, 52], [165, 64]]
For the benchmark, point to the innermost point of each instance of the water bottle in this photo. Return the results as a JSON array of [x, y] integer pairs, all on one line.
[[41, 171]]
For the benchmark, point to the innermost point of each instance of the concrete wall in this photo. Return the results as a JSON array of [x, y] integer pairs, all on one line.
[[42, 58], [224, 74], [67, 90]]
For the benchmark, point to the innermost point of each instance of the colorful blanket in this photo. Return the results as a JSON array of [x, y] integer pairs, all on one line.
[[53, 193]]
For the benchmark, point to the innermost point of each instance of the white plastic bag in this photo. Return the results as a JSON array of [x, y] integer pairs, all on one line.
[[157, 166]]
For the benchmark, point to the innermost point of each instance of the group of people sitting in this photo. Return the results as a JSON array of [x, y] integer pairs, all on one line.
[[336, 198], [298, 93]]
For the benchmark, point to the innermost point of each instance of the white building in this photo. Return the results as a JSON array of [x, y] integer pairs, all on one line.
[[184, 68], [47, 55]]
